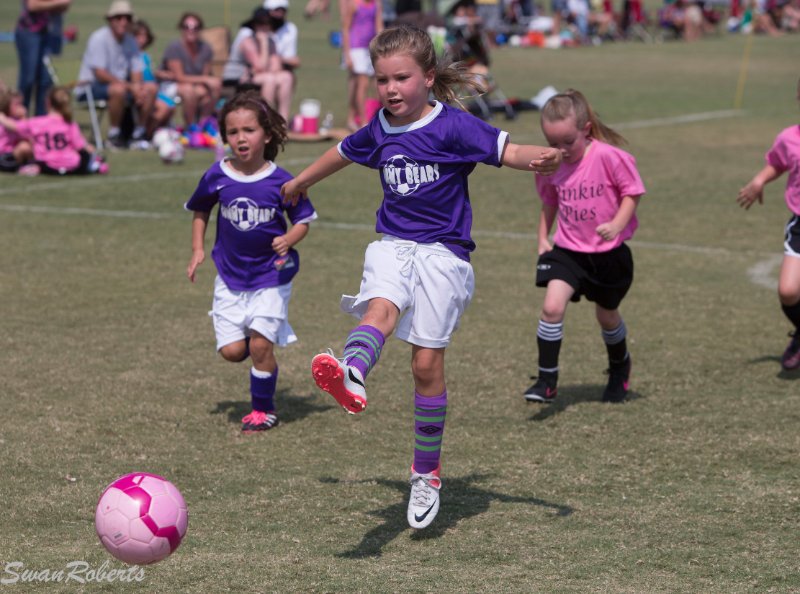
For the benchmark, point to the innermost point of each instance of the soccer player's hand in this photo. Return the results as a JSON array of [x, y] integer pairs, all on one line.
[[749, 194], [548, 162], [545, 246], [280, 246], [607, 231], [291, 192], [198, 256]]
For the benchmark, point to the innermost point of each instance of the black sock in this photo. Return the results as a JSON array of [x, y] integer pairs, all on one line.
[[793, 313], [548, 338]]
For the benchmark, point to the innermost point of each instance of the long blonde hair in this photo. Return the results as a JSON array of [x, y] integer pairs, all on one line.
[[573, 103], [449, 77]]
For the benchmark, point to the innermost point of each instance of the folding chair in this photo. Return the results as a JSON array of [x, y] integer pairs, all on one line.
[[82, 93]]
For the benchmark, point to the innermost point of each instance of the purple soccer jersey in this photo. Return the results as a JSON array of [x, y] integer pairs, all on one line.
[[250, 216], [423, 170]]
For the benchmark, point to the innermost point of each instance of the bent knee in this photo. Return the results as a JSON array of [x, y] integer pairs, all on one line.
[[553, 312], [235, 352]]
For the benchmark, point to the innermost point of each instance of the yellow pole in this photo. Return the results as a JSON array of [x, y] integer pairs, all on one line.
[[737, 102]]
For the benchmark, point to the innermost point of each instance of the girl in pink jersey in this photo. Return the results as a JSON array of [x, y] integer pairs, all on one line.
[[361, 21], [594, 195], [784, 156], [59, 148], [14, 151]]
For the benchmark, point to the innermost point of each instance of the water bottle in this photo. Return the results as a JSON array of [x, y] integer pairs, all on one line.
[[327, 123]]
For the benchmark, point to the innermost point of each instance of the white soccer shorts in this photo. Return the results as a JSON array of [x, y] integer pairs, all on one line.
[[236, 313], [362, 64], [428, 283]]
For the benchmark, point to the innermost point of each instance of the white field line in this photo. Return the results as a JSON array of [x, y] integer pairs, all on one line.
[[762, 273], [682, 119], [759, 274], [139, 214]]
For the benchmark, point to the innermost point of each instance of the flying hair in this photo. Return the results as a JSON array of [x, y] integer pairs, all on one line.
[[270, 120], [573, 103], [449, 77], [61, 101]]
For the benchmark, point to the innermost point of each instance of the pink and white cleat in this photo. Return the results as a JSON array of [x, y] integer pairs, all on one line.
[[341, 381]]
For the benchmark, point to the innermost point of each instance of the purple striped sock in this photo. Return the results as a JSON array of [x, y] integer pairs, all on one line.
[[262, 389], [429, 414], [363, 348]]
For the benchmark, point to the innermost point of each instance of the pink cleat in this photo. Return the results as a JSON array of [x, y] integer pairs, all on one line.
[[341, 381]]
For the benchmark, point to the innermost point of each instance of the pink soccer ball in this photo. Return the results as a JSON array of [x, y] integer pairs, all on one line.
[[141, 518]]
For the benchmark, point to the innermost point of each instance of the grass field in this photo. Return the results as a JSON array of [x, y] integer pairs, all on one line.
[[108, 364]]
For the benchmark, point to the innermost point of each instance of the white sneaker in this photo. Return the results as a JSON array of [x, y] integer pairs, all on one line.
[[423, 505], [343, 382]]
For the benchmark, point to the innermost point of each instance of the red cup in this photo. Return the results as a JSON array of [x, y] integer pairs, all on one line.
[[310, 125]]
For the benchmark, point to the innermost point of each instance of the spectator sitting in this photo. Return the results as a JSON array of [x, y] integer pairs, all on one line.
[[284, 34], [189, 60], [112, 64], [14, 150], [254, 60], [165, 100], [684, 18]]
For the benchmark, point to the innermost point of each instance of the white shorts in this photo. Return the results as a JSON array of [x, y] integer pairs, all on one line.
[[428, 283], [362, 64], [236, 313]]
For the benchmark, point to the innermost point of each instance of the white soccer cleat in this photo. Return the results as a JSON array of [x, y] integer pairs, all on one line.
[[423, 505], [341, 381]]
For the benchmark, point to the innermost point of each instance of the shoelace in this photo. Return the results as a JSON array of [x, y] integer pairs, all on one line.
[[421, 488], [405, 251], [255, 418]]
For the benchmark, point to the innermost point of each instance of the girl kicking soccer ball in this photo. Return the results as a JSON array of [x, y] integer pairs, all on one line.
[[253, 251], [417, 279], [784, 156], [594, 195]]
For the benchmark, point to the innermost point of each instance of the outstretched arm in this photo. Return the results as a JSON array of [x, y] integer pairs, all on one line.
[[329, 163], [614, 227], [8, 123], [199, 224], [527, 157], [755, 189]]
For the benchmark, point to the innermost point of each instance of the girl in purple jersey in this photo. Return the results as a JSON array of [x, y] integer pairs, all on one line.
[[253, 251], [594, 195], [417, 279], [784, 156]]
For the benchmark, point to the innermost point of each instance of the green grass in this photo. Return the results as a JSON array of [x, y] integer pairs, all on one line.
[[108, 365]]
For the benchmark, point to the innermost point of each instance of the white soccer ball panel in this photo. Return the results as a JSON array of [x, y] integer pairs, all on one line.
[[163, 510], [114, 526], [128, 506], [159, 549], [153, 485], [138, 530], [135, 552]]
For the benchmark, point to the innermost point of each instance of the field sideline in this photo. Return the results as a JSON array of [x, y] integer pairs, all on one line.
[[108, 363]]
